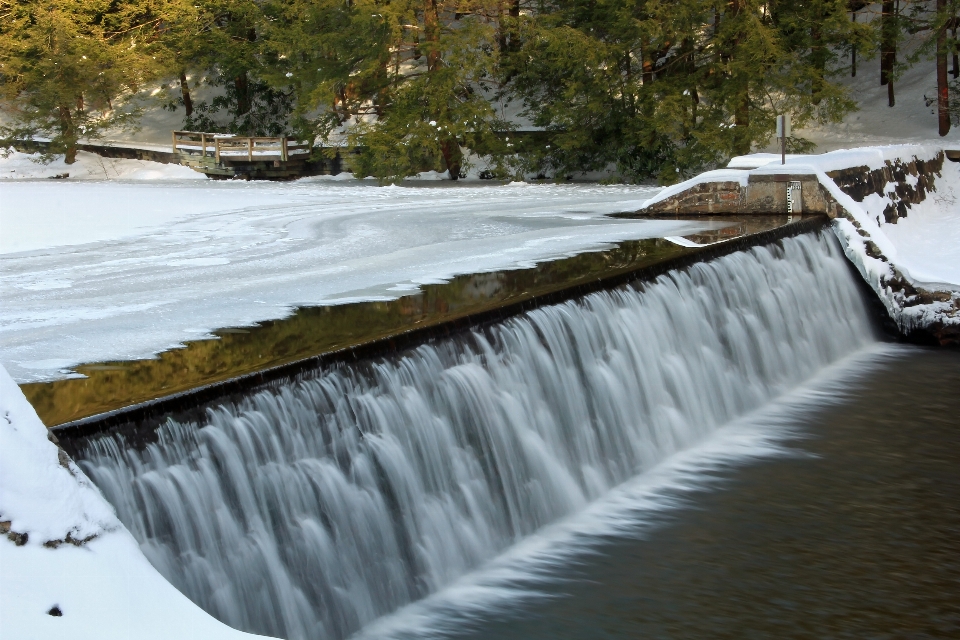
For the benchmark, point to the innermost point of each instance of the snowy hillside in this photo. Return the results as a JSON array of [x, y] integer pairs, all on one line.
[[910, 121]]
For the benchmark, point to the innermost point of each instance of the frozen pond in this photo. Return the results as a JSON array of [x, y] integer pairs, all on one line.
[[101, 271]]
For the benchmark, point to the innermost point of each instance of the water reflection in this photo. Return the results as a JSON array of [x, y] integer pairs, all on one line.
[[310, 331]]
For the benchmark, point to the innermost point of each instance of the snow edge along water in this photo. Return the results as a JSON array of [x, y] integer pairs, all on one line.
[[70, 568]]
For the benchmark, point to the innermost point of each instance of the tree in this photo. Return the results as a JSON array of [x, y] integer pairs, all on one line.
[[68, 68], [408, 81], [943, 86], [220, 41], [666, 89]]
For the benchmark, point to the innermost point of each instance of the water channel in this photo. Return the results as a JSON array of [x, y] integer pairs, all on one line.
[[850, 530], [528, 476]]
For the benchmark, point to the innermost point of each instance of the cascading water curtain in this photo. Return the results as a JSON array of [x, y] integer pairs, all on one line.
[[309, 511]]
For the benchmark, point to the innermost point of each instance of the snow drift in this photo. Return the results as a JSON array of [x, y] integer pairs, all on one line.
[[70, 569]]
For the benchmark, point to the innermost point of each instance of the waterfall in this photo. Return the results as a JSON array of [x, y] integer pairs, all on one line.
[[309, 510]]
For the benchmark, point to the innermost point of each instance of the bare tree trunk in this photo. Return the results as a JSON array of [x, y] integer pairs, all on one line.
[[956, 54], [431, 30], [741, 118], [818, 58], [646, 62], [452, 157], [853, 54], [887, 43], [68, 133], [185, 93], [501, 27], [242, 85], [741, 105], [888, 46], [449, 148], [943, 89]]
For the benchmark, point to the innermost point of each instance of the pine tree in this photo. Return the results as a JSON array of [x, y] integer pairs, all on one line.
[[666, 89], [407, 81], [220, 41], [68, 66]]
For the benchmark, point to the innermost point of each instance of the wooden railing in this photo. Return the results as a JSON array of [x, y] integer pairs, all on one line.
[[236, 148]]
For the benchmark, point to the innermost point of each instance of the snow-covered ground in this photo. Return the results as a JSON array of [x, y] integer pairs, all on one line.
[[875, 123], [70, 568], [15, 165], [93, 271]]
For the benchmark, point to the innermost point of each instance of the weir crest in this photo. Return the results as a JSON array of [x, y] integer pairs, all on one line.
[[309, 510]]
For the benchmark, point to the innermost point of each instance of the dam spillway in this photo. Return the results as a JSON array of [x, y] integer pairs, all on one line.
[[309, 509]]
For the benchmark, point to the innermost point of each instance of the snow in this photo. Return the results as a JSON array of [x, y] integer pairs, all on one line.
[[875, 123], [717, 175], [755, 160], [923, 247], [928, 239], [110, 270], [105, 588], [15, 165], [51, 500]]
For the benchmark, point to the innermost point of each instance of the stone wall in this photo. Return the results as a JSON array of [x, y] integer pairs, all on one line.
[[764, 194], [913, 180], [920, 315]]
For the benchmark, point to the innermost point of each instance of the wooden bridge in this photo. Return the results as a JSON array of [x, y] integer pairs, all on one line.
[[221, 155]]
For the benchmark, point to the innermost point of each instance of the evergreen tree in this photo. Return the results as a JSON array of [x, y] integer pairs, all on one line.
[[67, 65], [408, 81], [220, 41], [666, 89]]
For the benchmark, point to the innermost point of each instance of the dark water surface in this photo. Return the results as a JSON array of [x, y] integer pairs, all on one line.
[[857, 536]]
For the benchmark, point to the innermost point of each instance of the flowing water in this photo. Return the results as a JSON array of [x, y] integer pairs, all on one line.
[[310, 511], [846, 525]]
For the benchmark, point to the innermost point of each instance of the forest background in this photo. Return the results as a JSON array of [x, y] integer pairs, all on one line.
[[648, 88]]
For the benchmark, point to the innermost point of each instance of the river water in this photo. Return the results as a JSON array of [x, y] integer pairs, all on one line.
[[725, 451], [851, 531]]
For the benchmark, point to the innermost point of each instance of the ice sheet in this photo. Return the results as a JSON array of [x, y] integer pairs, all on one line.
[[110, 270]]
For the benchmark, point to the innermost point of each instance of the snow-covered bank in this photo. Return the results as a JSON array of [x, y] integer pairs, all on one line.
[[101, 271], [70, 568], [15, 165], [897, 217], [908, 251]]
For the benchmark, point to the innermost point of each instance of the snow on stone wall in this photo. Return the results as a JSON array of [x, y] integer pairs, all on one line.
[[901, 228], [895, 212]]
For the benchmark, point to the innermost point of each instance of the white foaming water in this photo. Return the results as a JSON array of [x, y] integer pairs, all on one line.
[[309, 511]]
